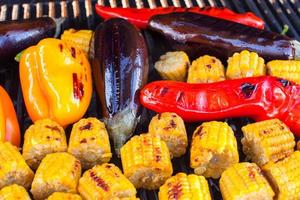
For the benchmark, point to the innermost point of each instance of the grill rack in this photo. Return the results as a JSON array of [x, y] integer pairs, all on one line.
[[80, 14]]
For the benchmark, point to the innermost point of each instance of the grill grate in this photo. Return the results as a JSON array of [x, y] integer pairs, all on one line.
[[80, 14]]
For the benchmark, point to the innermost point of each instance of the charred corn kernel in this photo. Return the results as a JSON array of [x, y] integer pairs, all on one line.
[[245, 181], [13, 168], [89, 142], [287, 69], [245, 64], [42, 138], [213, 149], [268, 140], [14, 192], [58, 172], [206, 69], [173, 65], [64, 196], [298, 145], [146, 161], [284, 177], [78, 38], [105, 182], [185, 187], [170, 127]]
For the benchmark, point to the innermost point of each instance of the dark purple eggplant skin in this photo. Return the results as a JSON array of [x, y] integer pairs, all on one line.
[[17, 35], [199, 35]]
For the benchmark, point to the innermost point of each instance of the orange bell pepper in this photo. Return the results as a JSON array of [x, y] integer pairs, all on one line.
[[9, 126], [56, 81]]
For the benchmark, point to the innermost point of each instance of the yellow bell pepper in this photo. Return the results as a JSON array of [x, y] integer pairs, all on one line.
[[56, 81]]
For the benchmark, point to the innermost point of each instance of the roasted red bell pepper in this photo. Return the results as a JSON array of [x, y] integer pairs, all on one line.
[[140, 17], [259, 98]]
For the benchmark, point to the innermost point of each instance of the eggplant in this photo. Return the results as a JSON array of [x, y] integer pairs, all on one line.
[[120, 69], [17, 35], [198, 35]]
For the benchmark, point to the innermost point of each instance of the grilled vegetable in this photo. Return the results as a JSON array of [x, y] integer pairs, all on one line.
[[198, 35], [13, 167], [170, 127], [14, 192], [9, 125], [141, 16], [173, 65], [260, 98], [42, 138], [146, 161], [120, 69], [89, 142], [284, 176], [56, 81], [17, 35], [245, 64], [213, 149], [206, 69], [298, 145], [80, 39], [185, 187], [64, 196], [287, 69], [266, 141], [245, 181], [105, 182], [58, 172]]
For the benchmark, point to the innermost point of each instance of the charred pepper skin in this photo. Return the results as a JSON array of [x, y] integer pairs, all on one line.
[[259, 98], [198, 34], [120, 69]]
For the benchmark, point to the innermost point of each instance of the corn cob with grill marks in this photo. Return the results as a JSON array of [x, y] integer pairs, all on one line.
[[13, 167], [206, 69], [185, 187], [146, 161], [170, 127], [105, 182], [42, 138], [245, 181], [14, 192], [287, 69], [245, 64], [89, 142], [58, 172], [173, 65], [213, 149], [284, 177], [268, 140], [64, 196]]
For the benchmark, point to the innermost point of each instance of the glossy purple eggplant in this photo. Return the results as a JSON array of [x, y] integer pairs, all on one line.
[[199, 34], [120, 69]]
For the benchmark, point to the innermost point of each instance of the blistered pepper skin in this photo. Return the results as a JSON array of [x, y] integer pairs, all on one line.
[[56, 81]]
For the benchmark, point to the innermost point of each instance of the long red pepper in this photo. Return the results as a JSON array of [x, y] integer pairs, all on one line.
[[259, 98], [140, 17]]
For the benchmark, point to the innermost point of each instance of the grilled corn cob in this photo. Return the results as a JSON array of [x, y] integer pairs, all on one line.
[[58, 172], [268, 140], [184, 187], [206, 69], [213, 149], [64, 196], [43, 137], [245, 64], [105, 182], [287, 69], [13, 168], [146, 161], [14, 192], [173, 65], [284, 177], [78, 38], [89, 142], [170, 127], [245, 181]]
